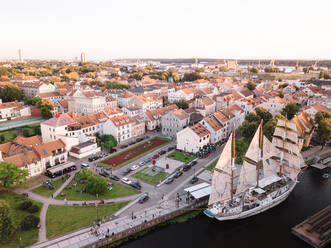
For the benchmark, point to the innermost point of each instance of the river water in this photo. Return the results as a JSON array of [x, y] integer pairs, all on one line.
[[271, 229]]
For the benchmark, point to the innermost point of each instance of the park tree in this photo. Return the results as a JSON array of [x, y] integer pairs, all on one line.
[[183, 104], [290, 110], [323, 131], [6, 222], [108, 141], [11, 175], [251, 85], [96, 185], [46, 108]]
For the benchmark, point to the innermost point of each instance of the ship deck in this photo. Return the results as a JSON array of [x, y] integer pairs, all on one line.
[[316, 230]]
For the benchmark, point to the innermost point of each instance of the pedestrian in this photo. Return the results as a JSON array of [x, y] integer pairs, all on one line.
[[52, 196], [65, 201], [162, 196]]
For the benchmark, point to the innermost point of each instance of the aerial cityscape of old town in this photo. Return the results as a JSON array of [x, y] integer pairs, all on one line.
[[174, 135]]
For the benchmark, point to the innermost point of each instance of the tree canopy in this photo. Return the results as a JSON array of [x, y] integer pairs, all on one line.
[[10, 93], [11, 175], [251, 85], [6, 222], [183, 104], [290, 110], [116, 85], [253, 120], [108, 141], [323, 131], [192, 76]]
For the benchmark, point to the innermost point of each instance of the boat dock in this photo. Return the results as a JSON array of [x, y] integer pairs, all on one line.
[[316, 230]]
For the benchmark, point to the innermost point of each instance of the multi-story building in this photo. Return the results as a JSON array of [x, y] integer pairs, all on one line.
[[174, 121], [32, 89], [120, 127], [192, 139], [32, 154], [183, 94], [218, 131], [13, 110], [274, 105], [153, 117], [86, 102]]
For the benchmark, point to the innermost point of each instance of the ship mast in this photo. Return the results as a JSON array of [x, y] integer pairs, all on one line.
[[233, 158], [260, 155], [282, 154]]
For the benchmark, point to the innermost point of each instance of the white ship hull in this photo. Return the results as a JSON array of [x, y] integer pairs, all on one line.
[[259, 209]]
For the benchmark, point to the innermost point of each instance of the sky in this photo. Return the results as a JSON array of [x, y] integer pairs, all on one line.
[[107, 29]]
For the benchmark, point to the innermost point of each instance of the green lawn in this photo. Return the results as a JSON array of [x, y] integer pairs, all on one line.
[[74, 194], [136, 157], [28, 237], [64, 219], [150, 179], [181, 156], [212, 165], [44, 191]]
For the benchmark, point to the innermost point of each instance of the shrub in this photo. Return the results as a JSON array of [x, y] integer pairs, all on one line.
[[33, 209], [30, 222], [25, 205]]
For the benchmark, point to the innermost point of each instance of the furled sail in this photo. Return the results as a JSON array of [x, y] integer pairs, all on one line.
[[291, 135], [269, 150], [247, 178], [287, 145], [287, 124], [253, 149], [221, 183]]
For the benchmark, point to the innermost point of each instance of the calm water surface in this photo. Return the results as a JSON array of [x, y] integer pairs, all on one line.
[[271, 229]]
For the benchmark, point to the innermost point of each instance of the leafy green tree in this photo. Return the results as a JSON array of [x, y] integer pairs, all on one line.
[[84, 174], [28, 132], [6, 222], [321, 74], [290, 110], [192, 76], [136, 75], [116, 85], [264, 114], [35, 101], [251, 85], [253, 70], [10, 93], [108, 141], [241, 149], [323, 131], [30, 222], [96, 185], [45, 113], [11, 175], [183, 104], [281, 94], [248, 129]]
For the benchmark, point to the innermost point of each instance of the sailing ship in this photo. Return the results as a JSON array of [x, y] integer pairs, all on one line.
[[265, 179]]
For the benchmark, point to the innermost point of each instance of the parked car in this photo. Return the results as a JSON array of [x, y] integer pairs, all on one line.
[[178, 173], [114, 177], [85, 165], [156, 156], [170, 148], [136, 185], [141, 163], [126, 180], [112, 150], [194, 180], [169, 180], [140, 139], [143, 198], [126, 171], [124, 146], [186, 167], [162, 152], [192, 163], [147, 160], [134, 167], [104, 174]]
